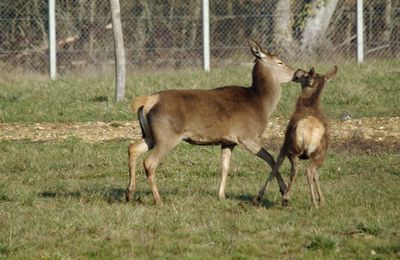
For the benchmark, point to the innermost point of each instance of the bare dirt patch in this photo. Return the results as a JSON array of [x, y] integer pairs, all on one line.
[[366, 134]]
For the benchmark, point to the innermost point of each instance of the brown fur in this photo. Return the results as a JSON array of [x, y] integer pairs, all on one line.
[[307, 134], [226, 116]]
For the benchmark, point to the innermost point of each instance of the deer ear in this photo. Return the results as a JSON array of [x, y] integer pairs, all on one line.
[[256, 49], [331, 73]]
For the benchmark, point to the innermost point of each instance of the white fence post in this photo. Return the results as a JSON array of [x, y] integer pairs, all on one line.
[[206, 36], [52, 40], [360, 32]]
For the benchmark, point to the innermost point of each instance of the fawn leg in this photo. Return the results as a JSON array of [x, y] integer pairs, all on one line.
[[316, 181], [293, 174], [310, 180]]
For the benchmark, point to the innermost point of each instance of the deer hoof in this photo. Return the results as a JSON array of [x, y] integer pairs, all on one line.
[[285, 202], [159, 203], [256, 201], [128, 195]]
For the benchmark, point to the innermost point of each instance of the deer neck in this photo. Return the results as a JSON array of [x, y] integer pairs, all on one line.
[[266, 87]]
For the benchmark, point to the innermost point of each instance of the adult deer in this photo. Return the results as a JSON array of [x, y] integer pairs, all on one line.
[[226, 116], [307, 134]]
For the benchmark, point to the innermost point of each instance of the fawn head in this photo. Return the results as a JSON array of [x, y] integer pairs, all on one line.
[[312, 82], [282, 72]]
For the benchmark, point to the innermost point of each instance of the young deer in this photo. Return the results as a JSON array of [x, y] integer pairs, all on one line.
[[307, 134], [226, 116]]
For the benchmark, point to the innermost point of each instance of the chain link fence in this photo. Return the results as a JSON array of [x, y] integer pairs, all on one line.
[[167, 34]]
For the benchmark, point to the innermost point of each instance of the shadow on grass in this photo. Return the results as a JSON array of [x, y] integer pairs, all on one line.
[[117, 195], [111, 195], [248, 198]]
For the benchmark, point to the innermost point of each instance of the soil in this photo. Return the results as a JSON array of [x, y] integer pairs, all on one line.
[[366, 134]]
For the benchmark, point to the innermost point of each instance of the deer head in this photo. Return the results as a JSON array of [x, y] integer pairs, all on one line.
[[281, 72]]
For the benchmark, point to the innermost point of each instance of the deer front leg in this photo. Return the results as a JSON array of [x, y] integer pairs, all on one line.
[[273, 174], [134, 150], [293, 174], [226, 153], [255, 148]]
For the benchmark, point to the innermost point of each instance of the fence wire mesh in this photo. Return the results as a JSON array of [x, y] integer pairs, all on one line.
[[165, 34]]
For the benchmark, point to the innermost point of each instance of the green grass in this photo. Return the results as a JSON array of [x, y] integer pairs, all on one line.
[[364, 90], [66, 200]]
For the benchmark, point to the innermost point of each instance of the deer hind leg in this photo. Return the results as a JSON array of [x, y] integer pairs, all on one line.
[[226, 153], [256, 149], [293, 174], [273, 174], [311, 170], [134, 150], [151, 162], [316, 181]]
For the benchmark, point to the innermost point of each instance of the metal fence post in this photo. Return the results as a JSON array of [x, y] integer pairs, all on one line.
[[206, 36], [52, 39], [360, 32]]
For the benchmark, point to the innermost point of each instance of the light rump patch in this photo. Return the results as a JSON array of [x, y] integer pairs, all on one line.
[[146, 101], [309, 133]]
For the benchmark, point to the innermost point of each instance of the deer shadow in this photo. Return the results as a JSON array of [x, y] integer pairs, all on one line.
[[248, 199], [110, 195], [117, 195]]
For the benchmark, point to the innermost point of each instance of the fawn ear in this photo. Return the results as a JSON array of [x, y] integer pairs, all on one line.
[[256, 49], [331, 73], [312, 72]]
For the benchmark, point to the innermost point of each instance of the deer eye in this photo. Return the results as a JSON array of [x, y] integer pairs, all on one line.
[[279, 62]]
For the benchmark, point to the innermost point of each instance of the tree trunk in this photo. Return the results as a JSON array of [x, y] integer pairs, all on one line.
[[119, 50], [388, 22], [283, 22], [321, 12]]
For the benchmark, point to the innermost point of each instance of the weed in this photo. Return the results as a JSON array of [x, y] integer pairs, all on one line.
[[389, 249], [4, 250], [100, 99], [369, 228], [320, 242]]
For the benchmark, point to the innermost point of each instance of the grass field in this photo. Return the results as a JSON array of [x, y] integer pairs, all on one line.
[[66, 199], [360, 90]]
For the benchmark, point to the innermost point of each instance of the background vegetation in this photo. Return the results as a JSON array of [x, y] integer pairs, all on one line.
[[368, 90], [169, 33]]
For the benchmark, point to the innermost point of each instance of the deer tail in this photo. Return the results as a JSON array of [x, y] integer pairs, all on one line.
[[142, 105], [145, 127]]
